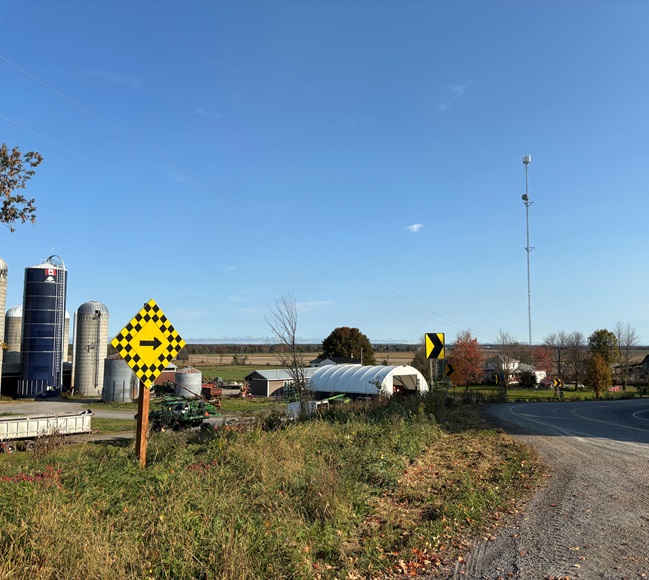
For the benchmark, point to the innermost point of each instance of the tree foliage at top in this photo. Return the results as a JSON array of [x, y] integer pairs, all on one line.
[[349, 343], [467, 360], [15, 171], [604, 343]]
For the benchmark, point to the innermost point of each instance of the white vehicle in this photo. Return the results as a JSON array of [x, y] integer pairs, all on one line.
[[21, 432]]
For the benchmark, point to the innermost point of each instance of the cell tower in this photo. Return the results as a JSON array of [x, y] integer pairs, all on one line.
[[526, 200]]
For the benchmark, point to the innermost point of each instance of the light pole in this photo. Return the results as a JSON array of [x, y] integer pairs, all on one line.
[[526, 200]]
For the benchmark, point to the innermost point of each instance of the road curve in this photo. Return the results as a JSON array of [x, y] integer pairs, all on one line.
[[590, 519]]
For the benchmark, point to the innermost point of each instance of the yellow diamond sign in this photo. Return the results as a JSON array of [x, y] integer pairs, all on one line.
[[148, 342]]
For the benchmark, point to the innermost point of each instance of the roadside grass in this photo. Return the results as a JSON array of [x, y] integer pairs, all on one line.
[[491, 393], [113, 425], [102, 406], [360, 491], [250, 406]]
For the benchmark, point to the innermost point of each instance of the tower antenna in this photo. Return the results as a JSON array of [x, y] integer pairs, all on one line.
[[526, 200]]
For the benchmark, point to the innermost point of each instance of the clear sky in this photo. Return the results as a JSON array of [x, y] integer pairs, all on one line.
[[364, 156]]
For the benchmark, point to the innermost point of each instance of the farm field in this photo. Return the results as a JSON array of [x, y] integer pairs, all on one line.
[[254, 361]]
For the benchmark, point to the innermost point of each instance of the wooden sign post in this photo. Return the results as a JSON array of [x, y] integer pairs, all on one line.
[[142, 430]]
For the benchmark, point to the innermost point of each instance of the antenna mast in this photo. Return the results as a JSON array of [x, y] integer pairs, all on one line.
[[526, 200]]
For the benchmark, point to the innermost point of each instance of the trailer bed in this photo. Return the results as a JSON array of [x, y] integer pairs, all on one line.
[[34, 426]]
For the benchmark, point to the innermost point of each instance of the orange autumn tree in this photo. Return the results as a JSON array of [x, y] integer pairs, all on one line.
[[467, 360]]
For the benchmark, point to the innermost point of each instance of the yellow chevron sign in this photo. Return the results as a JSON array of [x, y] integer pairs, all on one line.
[[435, 345]]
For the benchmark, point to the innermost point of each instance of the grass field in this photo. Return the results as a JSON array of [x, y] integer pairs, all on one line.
[[490, 393], [255, 361], [104, 426], [362, 491]]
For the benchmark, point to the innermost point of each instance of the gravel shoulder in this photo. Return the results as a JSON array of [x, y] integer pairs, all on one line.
[[590, 517]]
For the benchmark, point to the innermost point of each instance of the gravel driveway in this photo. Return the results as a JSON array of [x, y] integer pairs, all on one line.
[[590, 518]]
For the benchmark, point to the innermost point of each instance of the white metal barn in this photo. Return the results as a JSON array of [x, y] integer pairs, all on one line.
[[368, 380]]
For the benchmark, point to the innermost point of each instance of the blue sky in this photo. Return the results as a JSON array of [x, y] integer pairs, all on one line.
[[363, 156]]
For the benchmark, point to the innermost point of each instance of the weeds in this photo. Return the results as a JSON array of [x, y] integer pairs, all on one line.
[[362, 490]]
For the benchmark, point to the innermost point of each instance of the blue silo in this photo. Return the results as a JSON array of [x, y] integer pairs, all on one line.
[[44, 344]]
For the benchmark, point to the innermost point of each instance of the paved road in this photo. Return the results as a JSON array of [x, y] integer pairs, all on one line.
[[624, 420], [590, 519]]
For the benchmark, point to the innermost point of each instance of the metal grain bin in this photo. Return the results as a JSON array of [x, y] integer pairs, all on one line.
[[90, 346], [44, 344], [120, 383], [189, 382]]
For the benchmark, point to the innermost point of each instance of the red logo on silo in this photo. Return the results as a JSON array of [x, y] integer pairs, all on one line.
[[50, 272]]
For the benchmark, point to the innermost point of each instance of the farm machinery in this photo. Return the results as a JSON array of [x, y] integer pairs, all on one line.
[[181, 413]]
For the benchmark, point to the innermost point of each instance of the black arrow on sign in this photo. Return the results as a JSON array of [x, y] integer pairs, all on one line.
[[450, 369], [155, 343], [435, 345]]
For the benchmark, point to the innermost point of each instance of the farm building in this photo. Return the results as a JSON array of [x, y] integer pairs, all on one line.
[[334, 360], [368, 380], [271, 382]]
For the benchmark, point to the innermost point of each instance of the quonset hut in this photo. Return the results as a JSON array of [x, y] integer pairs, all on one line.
[[44, 344], [368, 380]]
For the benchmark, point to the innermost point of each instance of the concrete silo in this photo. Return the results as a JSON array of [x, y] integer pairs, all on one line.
[[13, 333], [43, 338], [90, 346], [3, 304]]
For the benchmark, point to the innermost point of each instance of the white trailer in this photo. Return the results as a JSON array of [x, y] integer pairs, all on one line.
[[23, 431]]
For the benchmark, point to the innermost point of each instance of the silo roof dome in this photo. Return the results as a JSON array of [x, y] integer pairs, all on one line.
[[3, 266], [91, 307], [15, 311], [51, 262]]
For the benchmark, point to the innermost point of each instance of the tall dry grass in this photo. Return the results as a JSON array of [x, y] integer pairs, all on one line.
[[293, 502]]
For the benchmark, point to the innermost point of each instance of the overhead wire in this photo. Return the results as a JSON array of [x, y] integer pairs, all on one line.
[[578, 298], [427, 312], [423, 311]]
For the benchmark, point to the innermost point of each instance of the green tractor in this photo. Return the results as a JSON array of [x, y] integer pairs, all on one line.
[[180, 413]]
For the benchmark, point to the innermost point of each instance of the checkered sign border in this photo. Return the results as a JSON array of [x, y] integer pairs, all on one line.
[[123, 343]]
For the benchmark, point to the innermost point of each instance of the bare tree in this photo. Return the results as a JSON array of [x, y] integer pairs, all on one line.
[[508, 348], [558, 342], [282, 320], [627, 339], [576, 357]]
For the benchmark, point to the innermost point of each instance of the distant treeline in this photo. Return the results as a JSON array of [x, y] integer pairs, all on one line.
[[275, 348]]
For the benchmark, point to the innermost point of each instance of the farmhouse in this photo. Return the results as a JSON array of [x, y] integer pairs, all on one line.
[[498, 365]]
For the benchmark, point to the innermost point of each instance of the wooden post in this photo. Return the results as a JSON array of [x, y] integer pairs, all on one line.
[[142, 430]]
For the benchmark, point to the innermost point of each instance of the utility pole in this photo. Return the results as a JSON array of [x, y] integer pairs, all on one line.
[[526, 200]]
